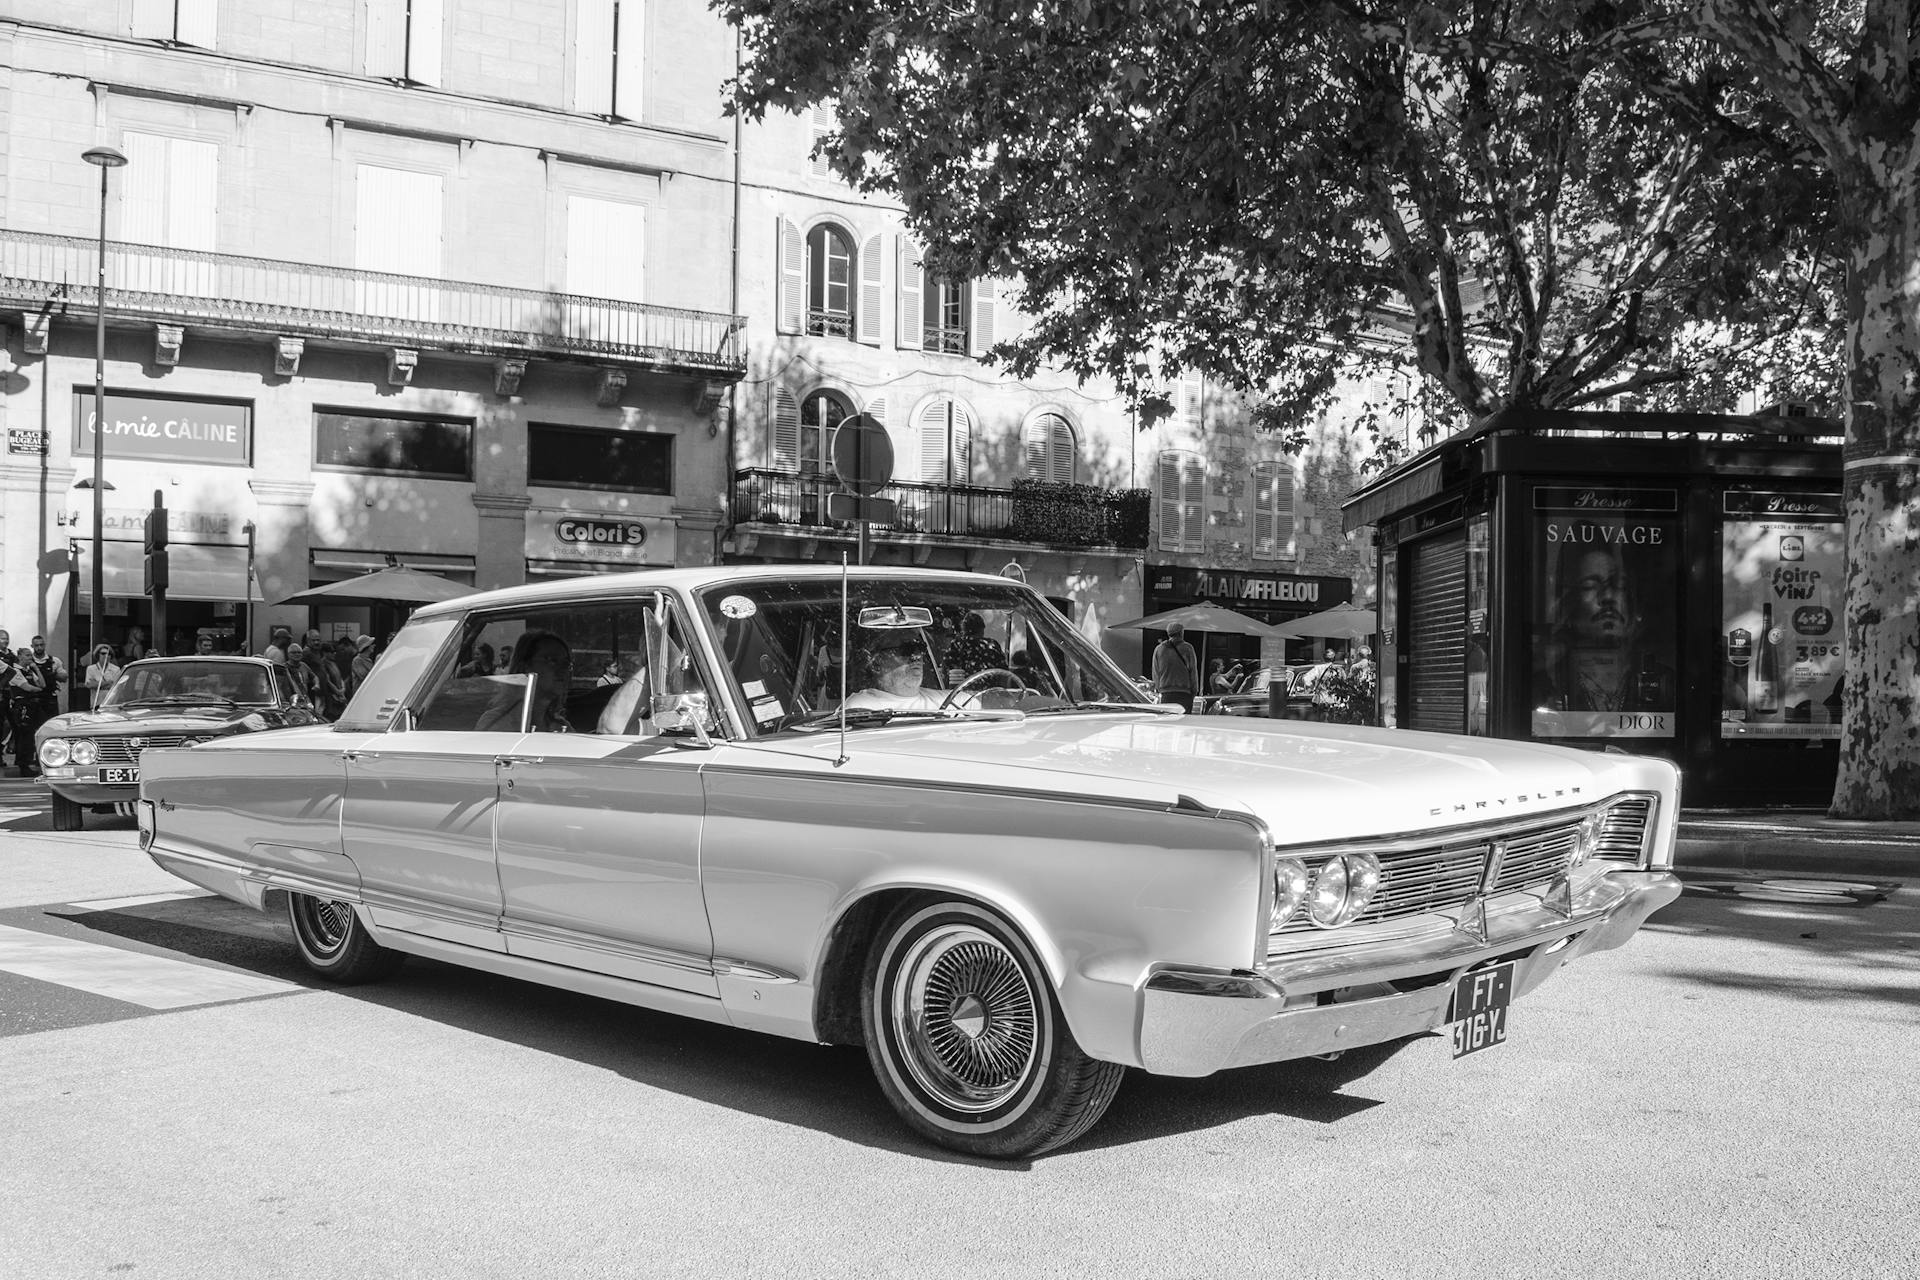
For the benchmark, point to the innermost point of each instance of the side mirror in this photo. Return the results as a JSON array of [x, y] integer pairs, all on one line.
[[683, 713]]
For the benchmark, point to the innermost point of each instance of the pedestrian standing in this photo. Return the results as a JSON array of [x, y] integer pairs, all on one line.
[[1176, 668], [36, 699], [362, 663], [101, 673], [6, 696], [330, 691]]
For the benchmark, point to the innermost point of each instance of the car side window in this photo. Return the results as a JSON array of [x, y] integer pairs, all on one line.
[[616, 667]]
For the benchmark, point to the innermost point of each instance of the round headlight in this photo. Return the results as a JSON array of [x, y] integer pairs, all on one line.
[[1289, 889], [53, 752], [1343, 888], [83, 751]]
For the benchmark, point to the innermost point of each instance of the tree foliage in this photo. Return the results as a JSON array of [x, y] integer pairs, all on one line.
[[1283, 192]]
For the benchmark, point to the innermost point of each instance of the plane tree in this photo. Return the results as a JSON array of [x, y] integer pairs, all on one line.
[[1534, 203]]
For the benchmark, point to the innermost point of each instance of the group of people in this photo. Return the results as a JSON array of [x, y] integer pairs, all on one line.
[[30, 684], [327, 672]]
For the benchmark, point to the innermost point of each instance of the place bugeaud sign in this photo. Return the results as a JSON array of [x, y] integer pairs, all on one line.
[[153, 428]]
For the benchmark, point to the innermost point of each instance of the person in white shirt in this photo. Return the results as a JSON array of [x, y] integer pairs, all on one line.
[[895, 662]]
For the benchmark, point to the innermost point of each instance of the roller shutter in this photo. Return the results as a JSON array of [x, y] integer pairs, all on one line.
[[1436, 640]]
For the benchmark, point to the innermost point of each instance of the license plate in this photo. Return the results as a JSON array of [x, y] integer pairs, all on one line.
[[1479, 1013], [119, 775]]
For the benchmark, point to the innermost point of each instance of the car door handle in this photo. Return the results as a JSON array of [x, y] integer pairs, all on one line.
[[510, 761], [357, 756]]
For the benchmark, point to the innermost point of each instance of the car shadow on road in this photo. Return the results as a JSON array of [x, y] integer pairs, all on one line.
[[829, 1089]]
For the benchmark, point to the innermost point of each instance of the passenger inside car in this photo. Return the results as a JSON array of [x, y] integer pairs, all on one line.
[[891, 665], [549, 660]]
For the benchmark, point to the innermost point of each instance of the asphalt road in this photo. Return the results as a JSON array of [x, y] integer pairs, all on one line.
[[1730, 1095]]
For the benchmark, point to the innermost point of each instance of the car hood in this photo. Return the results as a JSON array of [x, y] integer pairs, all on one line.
[[1308, 782], [180, 718]]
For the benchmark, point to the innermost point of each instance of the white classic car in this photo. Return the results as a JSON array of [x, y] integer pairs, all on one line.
[[915, 811]]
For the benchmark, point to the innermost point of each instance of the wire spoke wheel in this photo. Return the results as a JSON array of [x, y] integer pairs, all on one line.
[[325, 923], [333, 942], [968, 1017]]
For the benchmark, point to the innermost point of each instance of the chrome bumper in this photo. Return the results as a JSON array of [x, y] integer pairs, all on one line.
[[1196, 1022]]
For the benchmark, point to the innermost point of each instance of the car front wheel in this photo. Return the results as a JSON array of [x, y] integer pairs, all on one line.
[[967, 1039], [334, 943], [66, 814]]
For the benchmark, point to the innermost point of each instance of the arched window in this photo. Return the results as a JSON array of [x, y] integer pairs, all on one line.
[[820, 413], [1049, 448], [943, 431], [830, 287]]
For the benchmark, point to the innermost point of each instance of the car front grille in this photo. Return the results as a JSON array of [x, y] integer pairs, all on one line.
[[122, 750], [1461, 866]]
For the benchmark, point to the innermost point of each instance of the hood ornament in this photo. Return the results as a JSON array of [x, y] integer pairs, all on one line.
[[136, 744]]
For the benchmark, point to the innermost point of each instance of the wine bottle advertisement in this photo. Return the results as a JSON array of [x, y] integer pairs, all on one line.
[[1603, 630], [1782, 650]]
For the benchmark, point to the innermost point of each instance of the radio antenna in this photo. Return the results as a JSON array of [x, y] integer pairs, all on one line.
[[843, 660]]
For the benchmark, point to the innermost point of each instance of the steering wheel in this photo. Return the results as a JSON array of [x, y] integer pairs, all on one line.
[[1018, 687]]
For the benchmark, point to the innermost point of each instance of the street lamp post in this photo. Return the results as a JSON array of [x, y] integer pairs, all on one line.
[[105, 158]]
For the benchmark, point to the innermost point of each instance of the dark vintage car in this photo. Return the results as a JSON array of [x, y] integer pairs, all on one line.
[[92, 758], [1253, 695]]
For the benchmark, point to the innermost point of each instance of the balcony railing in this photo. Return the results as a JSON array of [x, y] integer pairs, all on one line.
[[224, 290], [1062, 515], [947, 339], [822, 323]]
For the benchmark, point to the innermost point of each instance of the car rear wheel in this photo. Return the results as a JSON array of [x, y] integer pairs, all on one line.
[[334, 943], [66, 814], [967, 1039]]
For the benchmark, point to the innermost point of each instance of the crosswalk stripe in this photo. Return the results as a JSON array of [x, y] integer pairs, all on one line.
[[154, 982], [139, 900]]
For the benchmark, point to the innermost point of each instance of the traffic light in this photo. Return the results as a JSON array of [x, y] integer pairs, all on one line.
[[156, 539]]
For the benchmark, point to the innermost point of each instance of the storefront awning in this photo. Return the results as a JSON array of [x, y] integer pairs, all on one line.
[[194, 572], [1391, 494]]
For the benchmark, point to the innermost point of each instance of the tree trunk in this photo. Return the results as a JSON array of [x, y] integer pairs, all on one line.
[[1879, 773]]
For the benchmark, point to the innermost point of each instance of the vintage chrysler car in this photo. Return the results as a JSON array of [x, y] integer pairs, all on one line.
[[916, 811], [92, 758]]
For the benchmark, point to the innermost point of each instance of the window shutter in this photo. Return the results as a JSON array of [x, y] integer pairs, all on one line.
[[593, 37], [980, 332], [1035, 448], [151, 20], [397, 217], [386, 38], [786, 430], [877, 410], [1167, 495], [931, 445], [1062, 450], [822, 121], [192, 187], [960, 446], [606, 249], [1263, 485], [143, 208], [791, 306], [1188, 403], [908, 322], [872, 288], [1283, 525], [1193, 505], [197, 22], [629, 58], [425, 19]]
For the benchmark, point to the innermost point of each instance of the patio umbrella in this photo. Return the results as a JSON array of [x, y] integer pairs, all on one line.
[[1342, 622], [389, 586], [1199, 617]]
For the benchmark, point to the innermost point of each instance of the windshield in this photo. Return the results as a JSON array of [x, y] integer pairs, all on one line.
[[190, 682], [909, 645]]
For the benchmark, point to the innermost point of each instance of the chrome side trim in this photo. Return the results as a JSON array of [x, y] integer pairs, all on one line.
[[725, 968], [612, 951]]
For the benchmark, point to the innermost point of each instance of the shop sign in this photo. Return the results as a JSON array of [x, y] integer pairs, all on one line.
[[26, 440], [1782, 625], [1603, 638], [150, 428], [612, 533], [129, 524], [1233, 587], [1785, 506]]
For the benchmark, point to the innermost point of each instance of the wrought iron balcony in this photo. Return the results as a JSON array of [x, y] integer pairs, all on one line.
[[947, 339], [1057, 515], [229, 292]]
